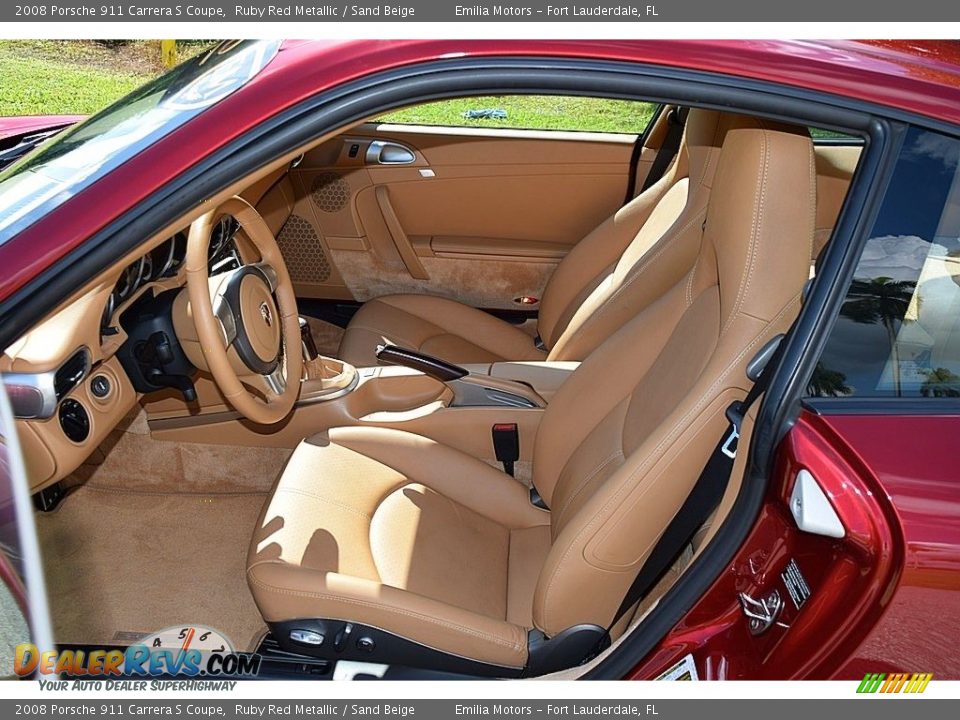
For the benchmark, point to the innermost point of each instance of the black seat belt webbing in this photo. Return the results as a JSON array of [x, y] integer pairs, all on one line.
[[668, 148], [703, 498]]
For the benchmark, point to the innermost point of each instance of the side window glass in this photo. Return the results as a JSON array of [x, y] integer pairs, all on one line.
[[531, 112], [898, 333]]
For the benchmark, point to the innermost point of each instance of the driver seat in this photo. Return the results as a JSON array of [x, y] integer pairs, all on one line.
[[381, 545]]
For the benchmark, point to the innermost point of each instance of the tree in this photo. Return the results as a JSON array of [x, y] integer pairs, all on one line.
[[881, 300], [828, 383]]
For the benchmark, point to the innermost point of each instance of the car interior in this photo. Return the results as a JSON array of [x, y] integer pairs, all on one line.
[[418, 396]]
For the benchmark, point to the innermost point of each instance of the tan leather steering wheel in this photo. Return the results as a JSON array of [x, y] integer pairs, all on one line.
[[247, 341]]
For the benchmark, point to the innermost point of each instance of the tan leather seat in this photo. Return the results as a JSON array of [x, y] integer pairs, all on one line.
[[437, 558], [606, 279]]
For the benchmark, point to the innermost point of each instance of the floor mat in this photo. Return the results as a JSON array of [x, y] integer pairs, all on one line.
[[125, 562], [130, 459]]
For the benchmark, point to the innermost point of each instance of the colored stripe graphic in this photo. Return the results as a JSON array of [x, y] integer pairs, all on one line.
[[913, 683]]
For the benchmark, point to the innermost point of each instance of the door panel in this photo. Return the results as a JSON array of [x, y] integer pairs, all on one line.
[[482, 216]]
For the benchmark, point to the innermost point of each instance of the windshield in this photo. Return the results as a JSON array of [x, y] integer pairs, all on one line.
[[78, 157]]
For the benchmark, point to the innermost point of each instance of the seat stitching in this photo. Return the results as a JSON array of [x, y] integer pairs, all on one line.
[[316, 496], [688, 292], [664, 244], [677, 428], [758, 207], [560, 512], [389, 608]]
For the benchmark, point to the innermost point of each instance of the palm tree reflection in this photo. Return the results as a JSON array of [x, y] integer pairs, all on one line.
[[828, 383], [940, 383], [881, 300]]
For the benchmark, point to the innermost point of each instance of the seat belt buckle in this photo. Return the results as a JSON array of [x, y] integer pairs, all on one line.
[[506, 445], [734, 414], [729, 447]]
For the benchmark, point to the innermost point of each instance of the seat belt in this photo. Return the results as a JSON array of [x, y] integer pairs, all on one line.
[[668, 148], [705, 495]]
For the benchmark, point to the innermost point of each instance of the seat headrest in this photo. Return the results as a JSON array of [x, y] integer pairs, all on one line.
[[703, 138]]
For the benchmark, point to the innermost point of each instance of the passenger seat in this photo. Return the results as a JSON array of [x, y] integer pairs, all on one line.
[[616, 271]]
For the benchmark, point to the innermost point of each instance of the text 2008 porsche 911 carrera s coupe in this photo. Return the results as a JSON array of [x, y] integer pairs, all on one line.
[[355, 397]]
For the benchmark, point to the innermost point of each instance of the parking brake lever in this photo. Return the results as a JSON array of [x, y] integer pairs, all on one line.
[[427, 364]]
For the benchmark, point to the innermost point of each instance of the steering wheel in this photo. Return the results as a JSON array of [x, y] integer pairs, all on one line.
[[246, 320]]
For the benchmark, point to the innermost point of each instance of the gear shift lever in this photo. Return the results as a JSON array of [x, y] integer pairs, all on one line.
[[310, 351], [323, 377]]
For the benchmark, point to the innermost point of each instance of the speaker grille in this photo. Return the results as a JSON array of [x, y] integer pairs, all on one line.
[[302, 251], [330, 192]]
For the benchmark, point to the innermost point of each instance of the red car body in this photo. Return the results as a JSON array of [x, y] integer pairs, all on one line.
[[892, 479], [18, 126]]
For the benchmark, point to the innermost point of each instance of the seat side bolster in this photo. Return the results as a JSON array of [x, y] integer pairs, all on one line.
[[285, 592], [456, 475], [580, 271], [435, 325]]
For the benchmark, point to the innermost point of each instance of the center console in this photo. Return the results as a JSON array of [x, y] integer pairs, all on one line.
[[454, 405]]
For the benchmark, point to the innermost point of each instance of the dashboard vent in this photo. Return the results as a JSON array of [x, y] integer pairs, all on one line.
[[71, 373]]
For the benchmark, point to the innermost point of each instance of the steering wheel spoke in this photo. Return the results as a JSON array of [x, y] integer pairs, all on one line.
[[269, 274], [225, 316], [277, 380]]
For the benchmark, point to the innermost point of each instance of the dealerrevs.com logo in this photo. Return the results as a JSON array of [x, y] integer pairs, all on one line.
[[191, 651], [894, 683]]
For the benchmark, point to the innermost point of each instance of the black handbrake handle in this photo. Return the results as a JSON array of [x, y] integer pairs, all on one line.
[[427, 364]]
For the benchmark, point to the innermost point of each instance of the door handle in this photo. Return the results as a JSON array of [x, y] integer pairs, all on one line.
[[385, 152]]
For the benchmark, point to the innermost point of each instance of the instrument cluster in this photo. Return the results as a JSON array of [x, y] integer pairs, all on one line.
[[161, 262], [165, 260]]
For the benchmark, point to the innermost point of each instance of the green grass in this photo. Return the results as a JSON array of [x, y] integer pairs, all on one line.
[[36, 87], [533, 112], [41, 77], [49, 77]]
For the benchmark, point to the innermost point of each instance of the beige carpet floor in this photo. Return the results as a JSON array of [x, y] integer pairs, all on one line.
[[326, 335], [120, 562], [130, 459]]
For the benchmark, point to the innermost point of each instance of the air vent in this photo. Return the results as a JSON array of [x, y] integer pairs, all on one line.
[[71, 373]]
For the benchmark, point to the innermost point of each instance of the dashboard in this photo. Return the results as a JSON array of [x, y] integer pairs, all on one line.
[[78, 375], [73, 378]]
